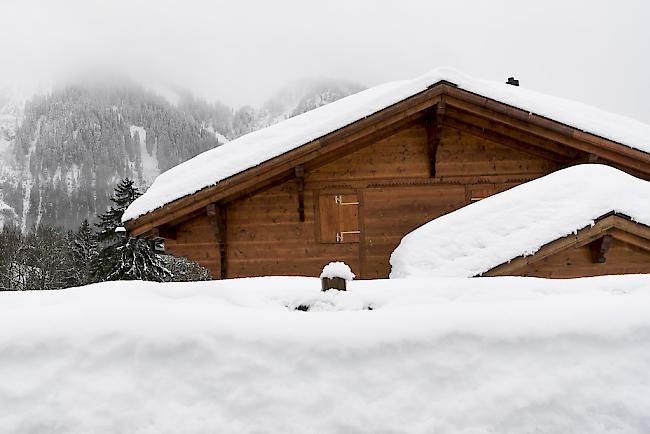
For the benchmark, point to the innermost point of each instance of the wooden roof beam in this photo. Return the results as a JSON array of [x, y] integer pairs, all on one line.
[[433, 125], [548, 129], [599, 249], [632, 239], [522, 136], [505, 140], [300, 178]]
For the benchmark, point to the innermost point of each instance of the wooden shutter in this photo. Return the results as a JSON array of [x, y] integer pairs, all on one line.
[[329, 218], [339, 218]]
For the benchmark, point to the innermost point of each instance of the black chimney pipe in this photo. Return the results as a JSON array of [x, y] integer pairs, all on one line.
[[512, 81]]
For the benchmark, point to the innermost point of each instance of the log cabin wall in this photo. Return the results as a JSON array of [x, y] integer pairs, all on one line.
[[391, 181], [195, 239], [622, 258]]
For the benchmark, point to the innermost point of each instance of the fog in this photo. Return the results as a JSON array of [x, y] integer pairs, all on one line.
[[241, 52]]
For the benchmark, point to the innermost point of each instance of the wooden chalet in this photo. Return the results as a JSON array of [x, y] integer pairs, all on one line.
[[352, 193]]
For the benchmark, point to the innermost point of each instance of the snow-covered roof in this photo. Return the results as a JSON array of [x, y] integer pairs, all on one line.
[[516, 222], [252, 149]]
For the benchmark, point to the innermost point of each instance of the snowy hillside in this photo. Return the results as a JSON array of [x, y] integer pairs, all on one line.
[[292, 100], [486, 355], [62, 154], [11, 115], [8, 215]]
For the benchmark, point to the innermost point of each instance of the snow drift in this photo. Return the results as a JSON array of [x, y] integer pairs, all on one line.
[[507, 355], [519, 221], [252, 149]]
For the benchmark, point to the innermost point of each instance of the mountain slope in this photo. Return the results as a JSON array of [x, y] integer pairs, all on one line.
[[62, 154], [290, 101], [73, 146]]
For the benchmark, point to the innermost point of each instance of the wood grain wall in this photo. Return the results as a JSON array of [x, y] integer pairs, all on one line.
[[622, 258], [391, 181]]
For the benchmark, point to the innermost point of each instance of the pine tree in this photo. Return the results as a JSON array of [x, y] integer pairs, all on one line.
[[184, 270], [125, 258], [84, 249], [133, 259], [125, 193]]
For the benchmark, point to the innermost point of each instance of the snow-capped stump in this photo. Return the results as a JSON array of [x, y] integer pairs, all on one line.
[[120, 231], [335, 275]]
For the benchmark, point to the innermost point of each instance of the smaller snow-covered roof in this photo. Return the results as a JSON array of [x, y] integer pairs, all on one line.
[[250, 150], [519, 221]]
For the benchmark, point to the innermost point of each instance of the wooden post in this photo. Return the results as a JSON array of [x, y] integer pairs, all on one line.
[[333, 283], [433, 124], [300, 176], [599, 248], [217, 216], [593, 158], [164, 232]]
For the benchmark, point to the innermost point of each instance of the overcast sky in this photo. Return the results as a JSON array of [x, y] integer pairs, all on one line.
[[241, 52]]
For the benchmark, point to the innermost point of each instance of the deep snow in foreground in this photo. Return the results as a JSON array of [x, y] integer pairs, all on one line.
[[487, 355]]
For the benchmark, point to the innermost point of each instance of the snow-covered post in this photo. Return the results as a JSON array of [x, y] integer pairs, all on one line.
[[120, 231], [335, 276]]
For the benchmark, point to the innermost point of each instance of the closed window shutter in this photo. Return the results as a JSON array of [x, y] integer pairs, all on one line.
[[329, 218], [339, 218]]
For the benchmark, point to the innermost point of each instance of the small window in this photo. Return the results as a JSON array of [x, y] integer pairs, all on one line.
[[475, 193], [339, 218]]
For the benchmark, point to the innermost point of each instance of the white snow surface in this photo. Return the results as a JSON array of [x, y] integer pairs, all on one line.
[[149, 161], [4, 206], [337, 269], [252, 149], [7, 214], [519, 221], [462, 356], [220, 137]]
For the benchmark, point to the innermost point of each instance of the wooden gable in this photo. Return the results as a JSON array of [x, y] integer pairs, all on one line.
[[613, 245]]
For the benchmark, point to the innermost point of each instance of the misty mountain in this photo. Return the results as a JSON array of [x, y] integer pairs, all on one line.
[[62, 154], [292, 100]]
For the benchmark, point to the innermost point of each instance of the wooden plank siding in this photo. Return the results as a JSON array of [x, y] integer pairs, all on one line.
[[622, 258], [390, 178], [195, 240]]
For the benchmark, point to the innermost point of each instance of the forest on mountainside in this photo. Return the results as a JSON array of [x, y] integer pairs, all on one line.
[[72, 146], [61, 153]]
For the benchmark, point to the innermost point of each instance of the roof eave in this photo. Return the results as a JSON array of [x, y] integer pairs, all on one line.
[[467, 100]]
